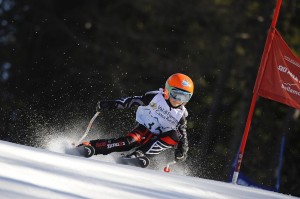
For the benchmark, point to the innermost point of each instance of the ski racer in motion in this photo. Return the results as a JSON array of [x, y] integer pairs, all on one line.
[[161, 124]]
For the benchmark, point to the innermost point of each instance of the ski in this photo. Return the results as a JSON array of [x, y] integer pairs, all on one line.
[[142, 161]]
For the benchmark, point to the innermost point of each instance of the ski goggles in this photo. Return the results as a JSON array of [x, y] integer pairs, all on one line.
[[180, 95]]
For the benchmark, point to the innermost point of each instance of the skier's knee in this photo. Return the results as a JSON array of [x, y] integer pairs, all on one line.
[[132, 140]]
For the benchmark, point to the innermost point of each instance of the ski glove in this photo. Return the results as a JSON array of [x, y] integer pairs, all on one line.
[[180, 156], [105, 105]]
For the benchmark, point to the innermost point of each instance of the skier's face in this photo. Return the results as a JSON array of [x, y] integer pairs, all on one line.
[[175, 102]]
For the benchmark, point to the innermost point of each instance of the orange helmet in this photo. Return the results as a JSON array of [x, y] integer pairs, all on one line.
[[179, 87]]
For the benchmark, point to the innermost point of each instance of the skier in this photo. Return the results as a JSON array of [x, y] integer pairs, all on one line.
[[161, 123]]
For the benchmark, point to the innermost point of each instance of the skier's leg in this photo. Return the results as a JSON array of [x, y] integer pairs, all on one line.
[[141, 135], [106, 146], [162, 142], [151, 145], [131, 140]]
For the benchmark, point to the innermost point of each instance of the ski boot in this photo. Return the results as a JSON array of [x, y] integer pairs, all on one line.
[[85, 149], [136, 158]]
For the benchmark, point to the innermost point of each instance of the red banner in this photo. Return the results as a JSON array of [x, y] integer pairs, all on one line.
[[280, 79]]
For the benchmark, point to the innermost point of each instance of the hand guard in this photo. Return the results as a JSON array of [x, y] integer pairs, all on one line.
[[104, 105], [180, 156]]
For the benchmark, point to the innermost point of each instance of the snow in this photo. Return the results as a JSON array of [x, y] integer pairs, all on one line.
[[28, 172]]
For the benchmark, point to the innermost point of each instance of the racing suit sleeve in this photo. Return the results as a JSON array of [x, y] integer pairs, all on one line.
[[124, 103], [183, 146]]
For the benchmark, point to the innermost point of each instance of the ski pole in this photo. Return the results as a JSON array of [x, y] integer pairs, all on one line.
[[87, 129], [167, 168]]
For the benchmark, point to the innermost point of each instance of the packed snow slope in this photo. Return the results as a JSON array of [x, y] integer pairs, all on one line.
[[27, 172]]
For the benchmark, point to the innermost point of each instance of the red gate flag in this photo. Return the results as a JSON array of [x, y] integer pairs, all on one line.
[[276, 57], [279, 80]]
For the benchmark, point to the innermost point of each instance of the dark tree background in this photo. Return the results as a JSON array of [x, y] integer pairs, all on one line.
[[58, 58]]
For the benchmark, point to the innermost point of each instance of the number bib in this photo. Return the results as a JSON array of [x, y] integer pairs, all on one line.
[[158, 117]]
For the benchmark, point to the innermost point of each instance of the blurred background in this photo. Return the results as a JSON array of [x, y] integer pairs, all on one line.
[[58, 58]]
